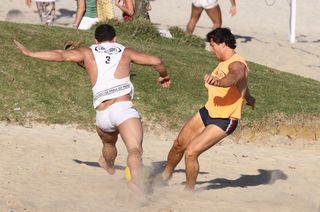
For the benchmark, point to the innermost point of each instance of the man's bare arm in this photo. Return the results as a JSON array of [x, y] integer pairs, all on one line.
[[147, 59], [236, 74], [53, 55], [235, 77]]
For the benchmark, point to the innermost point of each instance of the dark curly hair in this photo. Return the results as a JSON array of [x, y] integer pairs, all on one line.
[[222, 35]]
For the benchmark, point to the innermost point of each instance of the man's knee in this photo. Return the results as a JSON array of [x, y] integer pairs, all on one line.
[[191, 154], [137, 152], [180, 144]]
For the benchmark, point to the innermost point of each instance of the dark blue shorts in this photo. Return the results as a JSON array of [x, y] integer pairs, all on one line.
[[228, 125]]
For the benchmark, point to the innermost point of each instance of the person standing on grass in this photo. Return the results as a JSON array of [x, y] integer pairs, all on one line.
[[212, 9], [128, 9], [46, 10], [227, 90], [86, 15], [108, 66]]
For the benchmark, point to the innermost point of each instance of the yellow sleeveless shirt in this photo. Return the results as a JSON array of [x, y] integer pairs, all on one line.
[[224, 102]]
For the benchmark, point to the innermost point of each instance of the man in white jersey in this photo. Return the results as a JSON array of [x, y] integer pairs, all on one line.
[[108, 66]]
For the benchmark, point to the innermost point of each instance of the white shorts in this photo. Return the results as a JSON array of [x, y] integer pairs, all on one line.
[[109, 119], [205, 4], [87, 22]]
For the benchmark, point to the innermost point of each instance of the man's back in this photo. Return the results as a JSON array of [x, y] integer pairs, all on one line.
[[129, 55]]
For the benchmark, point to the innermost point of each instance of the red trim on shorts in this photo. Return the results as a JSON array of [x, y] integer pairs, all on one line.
[[231, 125]]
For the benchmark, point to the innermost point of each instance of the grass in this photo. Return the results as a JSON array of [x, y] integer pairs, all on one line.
[[60, 93]]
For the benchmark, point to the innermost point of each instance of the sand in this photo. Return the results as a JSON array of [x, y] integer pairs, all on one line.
[[54, 168]]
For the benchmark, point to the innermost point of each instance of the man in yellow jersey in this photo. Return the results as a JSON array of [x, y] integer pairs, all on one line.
[[227, 90]]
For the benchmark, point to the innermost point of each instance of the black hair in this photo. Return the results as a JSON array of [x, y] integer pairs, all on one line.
[[104, 32], [222, 35]]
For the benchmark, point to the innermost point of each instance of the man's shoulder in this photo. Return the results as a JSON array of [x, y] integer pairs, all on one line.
[[84, 50], [129, 51], [237, 57]]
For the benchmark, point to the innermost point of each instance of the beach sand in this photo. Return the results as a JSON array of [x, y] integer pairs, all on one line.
[[54, 168]]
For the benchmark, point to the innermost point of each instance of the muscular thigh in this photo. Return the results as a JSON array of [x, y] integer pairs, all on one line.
[[131, 133], [192, 128], [211, 135]]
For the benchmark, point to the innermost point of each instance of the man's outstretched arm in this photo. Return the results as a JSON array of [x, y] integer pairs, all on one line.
[[75, 55]]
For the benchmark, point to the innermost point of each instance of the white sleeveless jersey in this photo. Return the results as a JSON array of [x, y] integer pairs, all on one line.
[[107, 57]]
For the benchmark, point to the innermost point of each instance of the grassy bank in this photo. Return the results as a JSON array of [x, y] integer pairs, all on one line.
[[60, 92]]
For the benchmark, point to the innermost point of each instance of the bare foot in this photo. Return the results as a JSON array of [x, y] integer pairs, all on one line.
[[108, 166], [139, 193], [164, 177]]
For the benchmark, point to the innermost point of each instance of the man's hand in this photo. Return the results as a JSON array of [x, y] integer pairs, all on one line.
[[251, 101], [164, 81], [211, 80], [22, 48]]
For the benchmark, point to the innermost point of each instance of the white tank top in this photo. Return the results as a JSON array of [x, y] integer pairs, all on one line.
[[107, 57]]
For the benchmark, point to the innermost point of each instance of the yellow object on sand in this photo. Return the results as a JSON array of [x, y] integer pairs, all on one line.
[[145, 173], [105, 10], [127, 173]]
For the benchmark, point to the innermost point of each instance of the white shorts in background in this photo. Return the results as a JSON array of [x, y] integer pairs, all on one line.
[[87, 22], [109, 119], [205, 4]]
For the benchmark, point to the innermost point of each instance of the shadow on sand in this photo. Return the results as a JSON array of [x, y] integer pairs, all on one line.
[[158, 167], [243, 39], [96, 164], [151, 177], [65, 13], [265, 177]]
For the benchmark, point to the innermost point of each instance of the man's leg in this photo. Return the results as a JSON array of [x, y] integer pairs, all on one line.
[[109, 150], [209, 137], [190, 130], [215, 16], [132, 135], [194, 18]]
